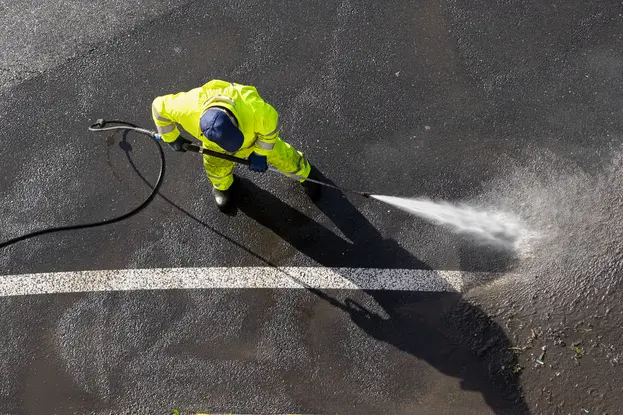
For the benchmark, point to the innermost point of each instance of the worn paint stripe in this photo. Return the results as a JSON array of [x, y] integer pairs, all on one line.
[[236, 277]]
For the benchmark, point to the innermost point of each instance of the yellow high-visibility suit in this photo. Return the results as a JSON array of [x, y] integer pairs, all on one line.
[[258, 121]]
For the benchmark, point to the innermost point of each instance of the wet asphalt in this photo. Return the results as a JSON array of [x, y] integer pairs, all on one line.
[[513, 107]]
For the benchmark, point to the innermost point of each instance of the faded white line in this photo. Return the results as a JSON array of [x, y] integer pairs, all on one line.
[[236, 277]]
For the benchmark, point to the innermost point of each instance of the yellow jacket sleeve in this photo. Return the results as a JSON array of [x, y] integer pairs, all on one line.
[[162, 111], [266, 128]]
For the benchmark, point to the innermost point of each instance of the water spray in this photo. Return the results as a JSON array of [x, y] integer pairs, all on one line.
[[484, 226]]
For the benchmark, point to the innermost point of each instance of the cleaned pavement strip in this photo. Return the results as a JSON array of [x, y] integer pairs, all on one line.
[[237, 277]]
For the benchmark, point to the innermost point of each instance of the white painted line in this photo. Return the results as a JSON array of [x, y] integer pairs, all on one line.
[[235, 277]]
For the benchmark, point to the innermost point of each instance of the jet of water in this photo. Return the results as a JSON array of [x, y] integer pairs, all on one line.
[[488, 227]]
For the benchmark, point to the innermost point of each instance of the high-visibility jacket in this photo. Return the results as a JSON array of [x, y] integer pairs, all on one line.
[[258, 120]]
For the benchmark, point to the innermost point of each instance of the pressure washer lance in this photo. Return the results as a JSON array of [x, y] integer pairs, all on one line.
[[100, 125]]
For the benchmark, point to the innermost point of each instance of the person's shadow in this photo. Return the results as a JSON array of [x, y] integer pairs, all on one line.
[[455, 337], [452, 335]]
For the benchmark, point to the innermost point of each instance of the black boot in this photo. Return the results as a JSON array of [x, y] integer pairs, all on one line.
[[312, 189], [224, 199]]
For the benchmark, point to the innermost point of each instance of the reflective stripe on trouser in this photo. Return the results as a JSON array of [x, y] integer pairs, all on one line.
[[283, 157]]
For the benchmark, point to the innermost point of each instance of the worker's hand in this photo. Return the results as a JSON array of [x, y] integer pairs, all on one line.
[[258, 163], [178, 144]]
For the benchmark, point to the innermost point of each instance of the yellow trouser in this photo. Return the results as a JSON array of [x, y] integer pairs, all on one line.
[[283, 156]]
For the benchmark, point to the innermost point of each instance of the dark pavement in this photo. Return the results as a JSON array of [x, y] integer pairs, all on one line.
[[506, 106], [253, 351]]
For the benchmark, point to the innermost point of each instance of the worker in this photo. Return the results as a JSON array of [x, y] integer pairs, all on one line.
[[233, 119]]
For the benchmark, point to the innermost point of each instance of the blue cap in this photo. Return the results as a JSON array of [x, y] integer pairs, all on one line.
[[217, 127]]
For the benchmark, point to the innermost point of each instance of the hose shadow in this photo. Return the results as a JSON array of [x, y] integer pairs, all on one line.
[[441, 328], [450, 334]]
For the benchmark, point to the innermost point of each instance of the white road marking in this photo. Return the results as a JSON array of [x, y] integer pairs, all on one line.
[[236, 277]]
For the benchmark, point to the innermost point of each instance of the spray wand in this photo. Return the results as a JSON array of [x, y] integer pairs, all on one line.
[[100, 125], [202, 150]]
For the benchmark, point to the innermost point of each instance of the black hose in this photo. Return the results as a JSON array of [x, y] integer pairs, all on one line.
[[99, 126]]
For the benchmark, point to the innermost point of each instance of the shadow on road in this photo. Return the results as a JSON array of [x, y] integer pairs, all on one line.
[[452, 335], [455, 337]]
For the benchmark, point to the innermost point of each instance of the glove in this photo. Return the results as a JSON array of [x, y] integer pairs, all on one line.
[[258, 163], [178, 144]]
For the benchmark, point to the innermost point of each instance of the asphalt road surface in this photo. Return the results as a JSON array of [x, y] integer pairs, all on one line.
[[503, 106]]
